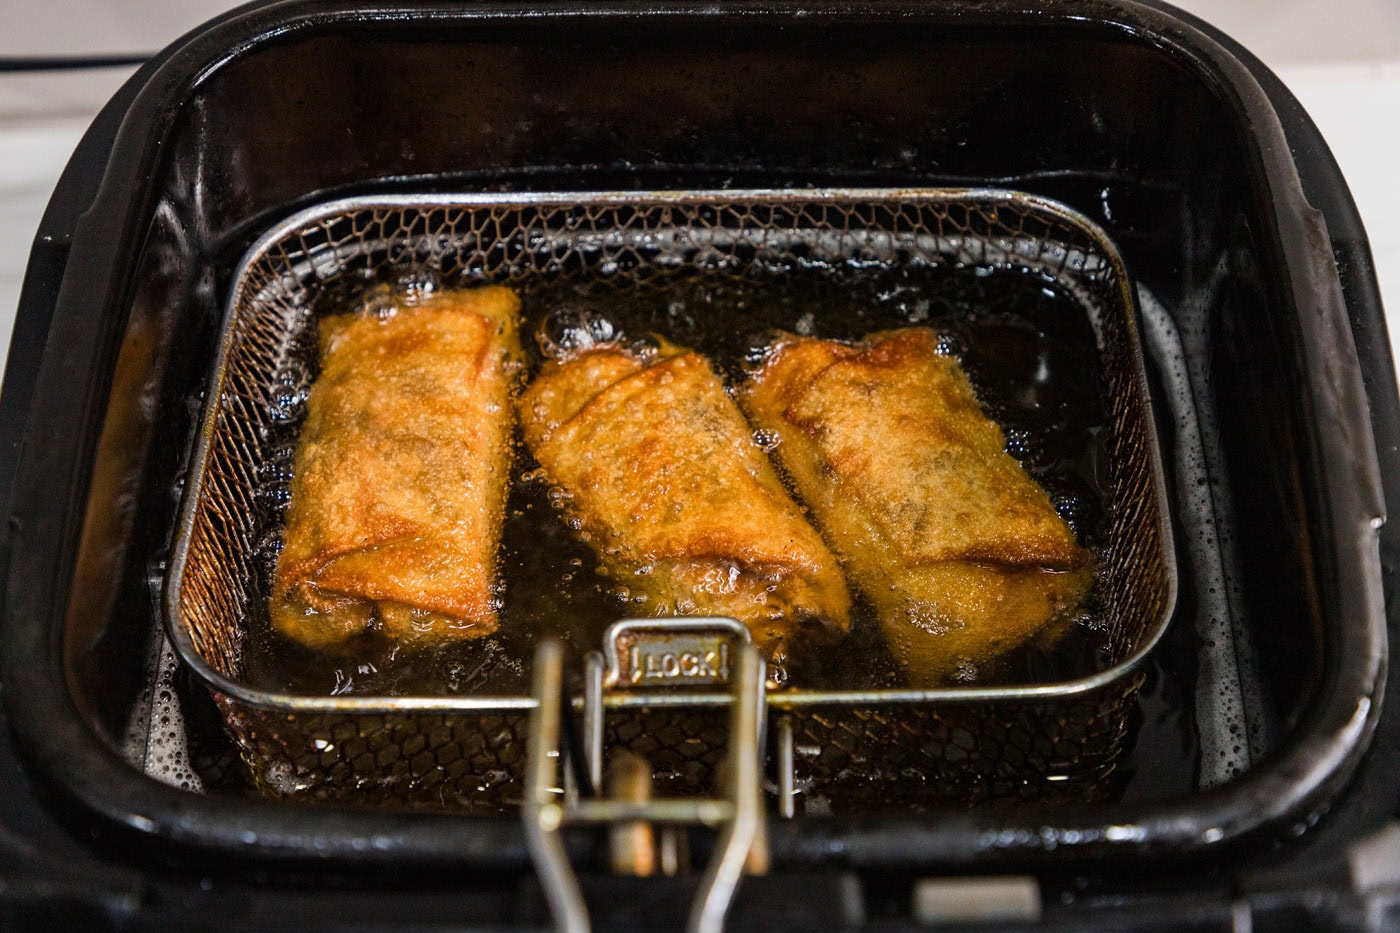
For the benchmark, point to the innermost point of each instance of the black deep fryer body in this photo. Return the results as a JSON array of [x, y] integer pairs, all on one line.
[[1147, 121]]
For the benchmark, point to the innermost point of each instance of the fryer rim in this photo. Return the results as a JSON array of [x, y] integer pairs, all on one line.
[[1325, 750]]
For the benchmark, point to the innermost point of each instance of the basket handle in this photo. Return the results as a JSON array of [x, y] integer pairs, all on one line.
[[679, 652], [548, 808]]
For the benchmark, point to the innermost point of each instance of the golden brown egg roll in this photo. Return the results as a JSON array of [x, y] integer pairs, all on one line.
[[666, 484], [955, 545], [401, 474]]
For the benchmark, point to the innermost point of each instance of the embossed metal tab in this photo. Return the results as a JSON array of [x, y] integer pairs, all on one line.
[[650, 653]]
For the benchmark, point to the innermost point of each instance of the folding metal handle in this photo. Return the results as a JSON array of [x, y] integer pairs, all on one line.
[[547, 808]]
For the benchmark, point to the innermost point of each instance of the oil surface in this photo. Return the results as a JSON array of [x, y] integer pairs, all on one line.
[[1027, 347]]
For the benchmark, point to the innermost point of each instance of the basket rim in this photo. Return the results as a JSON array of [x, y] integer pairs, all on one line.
[[785, 699]]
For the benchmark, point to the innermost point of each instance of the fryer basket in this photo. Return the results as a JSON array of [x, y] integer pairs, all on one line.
[[950, 745]]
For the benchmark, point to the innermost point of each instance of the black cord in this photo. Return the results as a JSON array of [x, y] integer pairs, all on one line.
[[69, 63]]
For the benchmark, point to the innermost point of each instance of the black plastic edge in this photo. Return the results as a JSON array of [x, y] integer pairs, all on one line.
[[52, 485], [1371, 797]]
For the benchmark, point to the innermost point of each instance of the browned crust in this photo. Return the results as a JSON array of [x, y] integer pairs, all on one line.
[[670, 489], [401, 474], [960, 551]]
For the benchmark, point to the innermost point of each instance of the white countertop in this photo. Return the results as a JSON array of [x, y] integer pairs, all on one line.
[[1342, 60]]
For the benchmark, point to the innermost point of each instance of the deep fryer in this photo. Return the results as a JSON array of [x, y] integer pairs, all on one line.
[[1199, 167]]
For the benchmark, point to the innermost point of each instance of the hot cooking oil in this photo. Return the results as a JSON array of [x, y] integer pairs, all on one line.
[[1027, 346]]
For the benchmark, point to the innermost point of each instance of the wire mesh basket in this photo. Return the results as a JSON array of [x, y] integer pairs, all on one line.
[[922, 255]]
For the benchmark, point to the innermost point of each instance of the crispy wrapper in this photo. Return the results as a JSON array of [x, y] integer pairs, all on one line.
[[666, 484], [401, 474], [955, 545]]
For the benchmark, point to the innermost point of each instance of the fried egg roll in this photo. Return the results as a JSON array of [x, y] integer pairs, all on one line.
[[665, 482], [401, 474], [958, 549]]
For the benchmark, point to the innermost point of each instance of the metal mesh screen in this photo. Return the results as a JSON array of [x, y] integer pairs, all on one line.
[[945, 747]]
